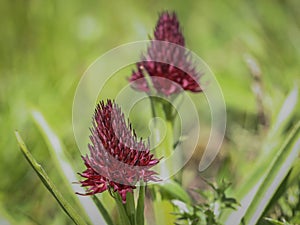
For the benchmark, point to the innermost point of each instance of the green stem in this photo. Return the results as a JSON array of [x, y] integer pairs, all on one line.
[[170, 115], [124, 219], [152, 104], [165, 149], [140, 218], [130, 207], [167, 146], [165, 110], [48, 183]]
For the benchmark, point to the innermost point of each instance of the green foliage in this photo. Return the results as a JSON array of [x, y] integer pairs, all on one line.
[[274, 177], [208, 212], [172, 190], [287, 208]]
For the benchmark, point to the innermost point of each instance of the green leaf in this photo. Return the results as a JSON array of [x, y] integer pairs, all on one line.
[[272, 143], [172, 190], [163, 212], [265, 190], [66, 171], [48, 183], [271, 147]]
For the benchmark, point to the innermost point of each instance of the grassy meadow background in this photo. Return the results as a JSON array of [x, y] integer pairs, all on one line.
[[45, 47]]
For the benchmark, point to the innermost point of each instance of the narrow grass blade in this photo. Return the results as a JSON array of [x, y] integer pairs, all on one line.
[[48, 183], [65, 169], [286, 112], [103, 210]]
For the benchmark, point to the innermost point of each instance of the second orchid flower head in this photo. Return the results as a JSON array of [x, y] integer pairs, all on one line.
[[166, 62]]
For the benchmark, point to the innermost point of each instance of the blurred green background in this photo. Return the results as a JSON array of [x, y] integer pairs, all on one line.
[[47, 45]]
